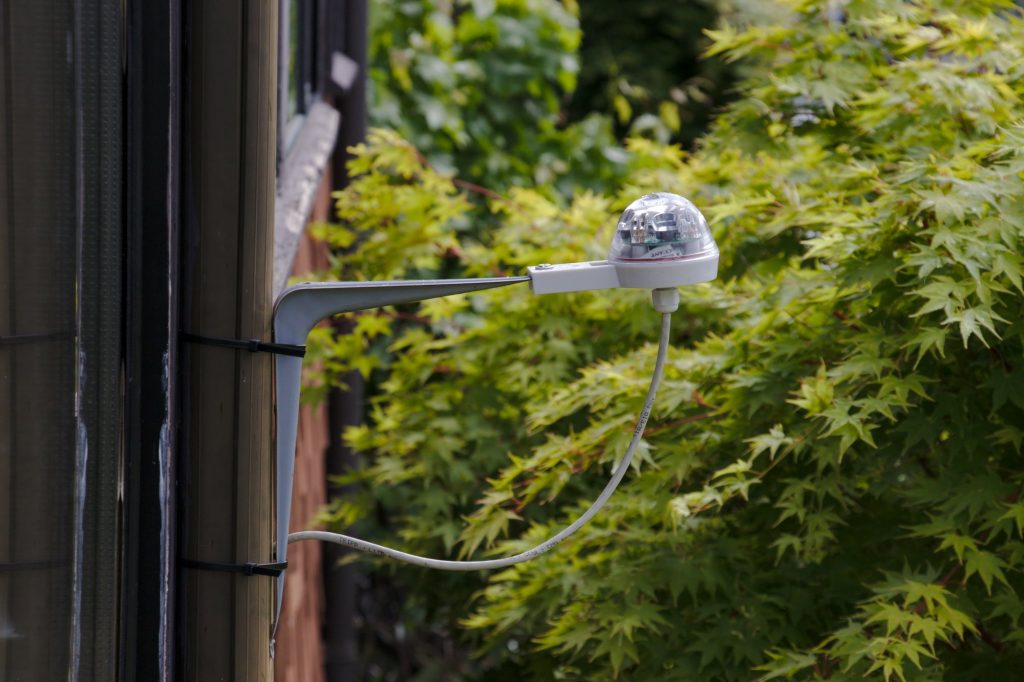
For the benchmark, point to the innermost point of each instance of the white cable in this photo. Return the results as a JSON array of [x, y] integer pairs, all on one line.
[[446, 565]]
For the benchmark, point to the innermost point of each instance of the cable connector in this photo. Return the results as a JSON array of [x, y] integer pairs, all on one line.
[[665, 300]]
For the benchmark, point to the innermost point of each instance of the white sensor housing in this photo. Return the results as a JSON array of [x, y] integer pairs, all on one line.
[[661, 240]]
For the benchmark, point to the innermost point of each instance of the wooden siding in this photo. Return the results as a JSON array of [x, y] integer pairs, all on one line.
[[299, 650]]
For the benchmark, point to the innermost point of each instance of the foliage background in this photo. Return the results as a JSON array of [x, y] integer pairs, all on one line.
[[830, 487]]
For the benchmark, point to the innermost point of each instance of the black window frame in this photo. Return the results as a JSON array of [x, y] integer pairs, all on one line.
[[308, 122], [302, 26]]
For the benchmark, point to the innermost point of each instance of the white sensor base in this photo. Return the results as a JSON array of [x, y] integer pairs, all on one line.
[[668, 273], [602, 274]]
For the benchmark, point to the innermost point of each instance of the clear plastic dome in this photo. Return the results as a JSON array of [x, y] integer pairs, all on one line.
[[661, 226]]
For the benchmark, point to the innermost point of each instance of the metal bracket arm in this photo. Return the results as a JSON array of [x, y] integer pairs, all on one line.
[[296, 312]]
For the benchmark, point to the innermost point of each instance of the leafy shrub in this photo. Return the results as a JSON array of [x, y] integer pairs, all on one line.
[[644, 65], [830, 487], [478, 86]]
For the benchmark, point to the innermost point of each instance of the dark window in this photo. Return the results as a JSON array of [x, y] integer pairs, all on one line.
[[299, 69]]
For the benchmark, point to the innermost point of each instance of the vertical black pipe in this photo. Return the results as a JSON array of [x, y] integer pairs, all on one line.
[[351, 23], [152, 119], [352, 104], [341, 581]]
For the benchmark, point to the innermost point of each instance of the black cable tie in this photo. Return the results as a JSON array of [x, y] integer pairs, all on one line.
[[17, 339], [249, 568], [251, 345], [10, 566]]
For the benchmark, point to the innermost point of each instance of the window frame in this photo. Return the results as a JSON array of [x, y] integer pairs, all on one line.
[[301, 37], [308, 125]]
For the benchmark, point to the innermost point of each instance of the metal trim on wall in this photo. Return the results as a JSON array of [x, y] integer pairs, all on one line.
[[298, 181]]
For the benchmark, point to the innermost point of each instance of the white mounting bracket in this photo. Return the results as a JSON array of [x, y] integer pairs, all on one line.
[[300, 307], [296, 312]]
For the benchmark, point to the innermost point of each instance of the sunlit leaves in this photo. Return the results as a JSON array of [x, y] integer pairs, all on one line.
[[843, 406]]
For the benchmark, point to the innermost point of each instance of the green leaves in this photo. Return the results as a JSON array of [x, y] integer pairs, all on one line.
[[930, 338], [987, 566], [841, 407], [771, 441], [478, 86]]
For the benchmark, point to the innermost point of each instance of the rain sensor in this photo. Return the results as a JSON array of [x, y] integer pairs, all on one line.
[[661, 242]]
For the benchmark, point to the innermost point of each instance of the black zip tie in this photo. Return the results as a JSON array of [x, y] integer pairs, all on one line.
[[10, 566], [251, 345], [250, 568], [30, 338]]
